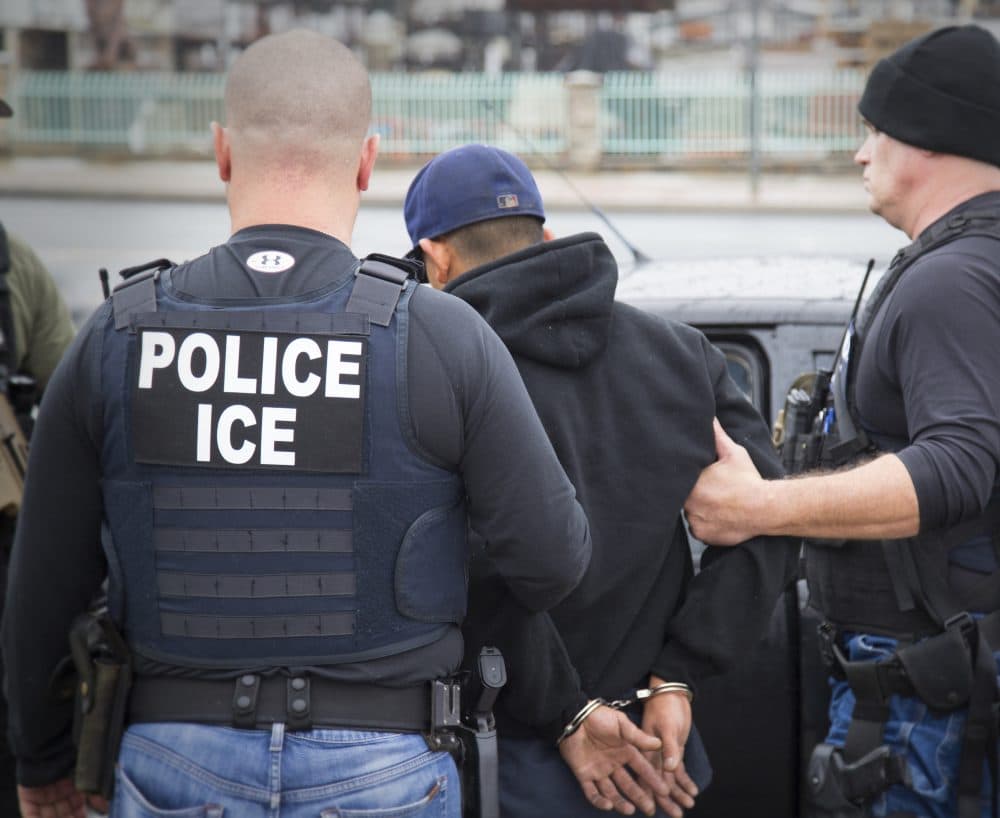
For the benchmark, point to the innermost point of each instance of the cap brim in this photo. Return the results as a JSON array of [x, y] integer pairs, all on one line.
[[5, 109]]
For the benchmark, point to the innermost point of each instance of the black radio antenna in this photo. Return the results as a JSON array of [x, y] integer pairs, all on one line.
[[638, 256]]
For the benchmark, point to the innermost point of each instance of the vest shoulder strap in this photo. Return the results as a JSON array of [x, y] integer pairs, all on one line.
[[137, 292], [379, 282]]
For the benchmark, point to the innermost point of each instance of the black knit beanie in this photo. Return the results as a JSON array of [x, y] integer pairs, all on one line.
[[941, 92]]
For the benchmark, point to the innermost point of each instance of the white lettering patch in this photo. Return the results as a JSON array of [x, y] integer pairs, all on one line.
[[249, 399], [271, 261]]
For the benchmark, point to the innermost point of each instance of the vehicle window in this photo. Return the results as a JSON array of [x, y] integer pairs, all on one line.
[[747, 369]]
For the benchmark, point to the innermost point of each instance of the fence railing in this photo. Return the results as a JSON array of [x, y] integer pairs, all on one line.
[[686, 114], [653, 117]]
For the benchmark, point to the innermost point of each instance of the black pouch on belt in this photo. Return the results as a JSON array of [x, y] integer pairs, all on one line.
[[940, 669]]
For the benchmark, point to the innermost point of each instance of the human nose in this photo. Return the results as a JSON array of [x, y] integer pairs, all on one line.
[[863, 155]]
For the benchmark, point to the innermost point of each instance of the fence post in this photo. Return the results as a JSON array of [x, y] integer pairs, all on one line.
[[6, 93], [583, 119]]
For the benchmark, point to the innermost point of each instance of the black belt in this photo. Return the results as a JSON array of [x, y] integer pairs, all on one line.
[[300, 702]]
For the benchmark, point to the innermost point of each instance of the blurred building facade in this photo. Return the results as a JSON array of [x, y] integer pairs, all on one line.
[[489, 36]]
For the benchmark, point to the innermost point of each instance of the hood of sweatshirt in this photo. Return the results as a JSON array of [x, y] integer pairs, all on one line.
[[550, 302]]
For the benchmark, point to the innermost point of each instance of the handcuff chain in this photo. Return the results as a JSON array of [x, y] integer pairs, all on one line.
[[644, 693]]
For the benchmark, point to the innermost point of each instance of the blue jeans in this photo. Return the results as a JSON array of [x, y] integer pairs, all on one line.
[[930, 742], [203, 771]]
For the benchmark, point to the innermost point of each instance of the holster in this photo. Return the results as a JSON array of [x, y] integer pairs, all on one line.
[[837, 789], [468, 732], [104, 677], [481, 767]]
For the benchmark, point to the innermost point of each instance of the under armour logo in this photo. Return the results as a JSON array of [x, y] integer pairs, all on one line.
[[271, 261]]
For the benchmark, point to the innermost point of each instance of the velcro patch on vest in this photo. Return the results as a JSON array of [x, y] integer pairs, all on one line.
[[248, 399]]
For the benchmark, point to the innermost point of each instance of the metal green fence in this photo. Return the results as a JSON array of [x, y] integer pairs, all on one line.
[[648, 116], [427, 113], [142, 113], [698, 115]]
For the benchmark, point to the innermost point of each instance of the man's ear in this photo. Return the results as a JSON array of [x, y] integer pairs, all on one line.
[[547, 235], [223, 152], [438, 259], [369, 151]]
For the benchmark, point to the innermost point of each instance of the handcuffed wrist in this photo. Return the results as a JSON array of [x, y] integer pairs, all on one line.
[[577, 721], [666, 687]]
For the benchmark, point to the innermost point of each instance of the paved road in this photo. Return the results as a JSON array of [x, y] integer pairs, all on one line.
[[76, 236]]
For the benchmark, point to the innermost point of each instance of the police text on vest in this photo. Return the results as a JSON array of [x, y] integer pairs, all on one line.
[[246, 395]]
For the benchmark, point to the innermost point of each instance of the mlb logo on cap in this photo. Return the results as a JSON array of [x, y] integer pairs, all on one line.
[[507, 200]]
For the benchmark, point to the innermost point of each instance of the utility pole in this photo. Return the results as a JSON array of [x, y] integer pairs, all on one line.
[[753, 61]]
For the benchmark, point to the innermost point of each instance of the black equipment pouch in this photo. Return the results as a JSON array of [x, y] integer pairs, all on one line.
[[104, 675], [940, 669], [800, 439]]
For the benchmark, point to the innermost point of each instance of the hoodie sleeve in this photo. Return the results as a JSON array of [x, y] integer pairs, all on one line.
[[470, 409], [729, 603], [543, 690]]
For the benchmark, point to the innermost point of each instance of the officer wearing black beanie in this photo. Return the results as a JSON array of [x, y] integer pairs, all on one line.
[[940, 92], [903, 499]]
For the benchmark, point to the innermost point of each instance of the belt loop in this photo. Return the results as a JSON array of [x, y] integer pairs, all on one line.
[[245, 693], [277, 736], [297, 703]]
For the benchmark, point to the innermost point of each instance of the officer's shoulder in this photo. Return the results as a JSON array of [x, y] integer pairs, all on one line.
[[939, 269], [430, 305]]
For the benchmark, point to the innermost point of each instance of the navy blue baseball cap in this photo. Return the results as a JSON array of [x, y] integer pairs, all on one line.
[[469, 184]]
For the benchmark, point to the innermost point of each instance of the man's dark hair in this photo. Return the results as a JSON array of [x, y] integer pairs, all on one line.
[[482, 242]]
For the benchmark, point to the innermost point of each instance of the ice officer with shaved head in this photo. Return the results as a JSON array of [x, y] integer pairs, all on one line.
[[271, 458]]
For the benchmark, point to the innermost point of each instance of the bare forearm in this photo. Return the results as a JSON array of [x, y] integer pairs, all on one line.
[[873, 501], [731, 502]]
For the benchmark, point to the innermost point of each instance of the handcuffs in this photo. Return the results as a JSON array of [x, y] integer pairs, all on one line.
[[620, 704]]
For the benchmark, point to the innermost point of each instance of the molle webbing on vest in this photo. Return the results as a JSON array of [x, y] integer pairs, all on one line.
[[231, 498], [252, 627], [249, 541], [243, 586]]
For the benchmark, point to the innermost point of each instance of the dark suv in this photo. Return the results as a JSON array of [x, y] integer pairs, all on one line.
[[774, 319]]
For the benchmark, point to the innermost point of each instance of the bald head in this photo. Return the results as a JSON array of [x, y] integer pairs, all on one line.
[[298, 98]]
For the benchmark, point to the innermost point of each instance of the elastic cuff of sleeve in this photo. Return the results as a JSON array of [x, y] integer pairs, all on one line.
[[578, 720], [553, 729]]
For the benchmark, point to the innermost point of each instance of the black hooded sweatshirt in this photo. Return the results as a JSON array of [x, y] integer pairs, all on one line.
[[627, 399]]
